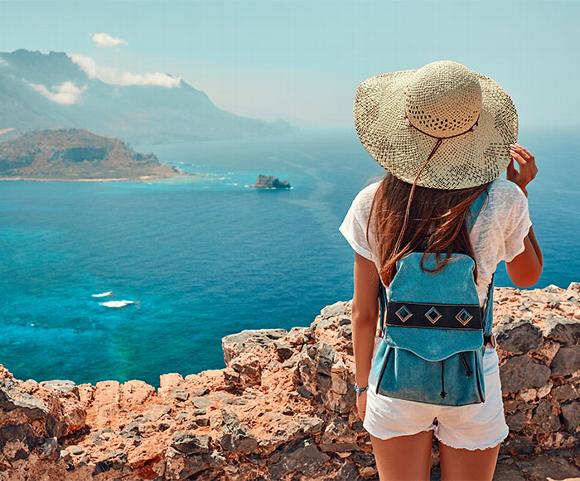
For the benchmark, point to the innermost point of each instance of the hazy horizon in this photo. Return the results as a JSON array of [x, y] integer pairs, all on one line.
[[301, 61]]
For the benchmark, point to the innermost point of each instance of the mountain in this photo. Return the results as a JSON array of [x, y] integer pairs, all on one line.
[[53, 91], [75, 154]]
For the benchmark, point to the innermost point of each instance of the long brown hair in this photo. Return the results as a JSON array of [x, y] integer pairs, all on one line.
[[434, 222]]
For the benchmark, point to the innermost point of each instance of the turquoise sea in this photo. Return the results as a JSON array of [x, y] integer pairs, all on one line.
[[208, 258]]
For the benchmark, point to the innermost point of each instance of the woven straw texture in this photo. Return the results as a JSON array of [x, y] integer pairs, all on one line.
[[399, 116]]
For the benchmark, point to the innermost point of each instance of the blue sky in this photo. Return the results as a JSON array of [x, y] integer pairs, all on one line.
[[302, 60]]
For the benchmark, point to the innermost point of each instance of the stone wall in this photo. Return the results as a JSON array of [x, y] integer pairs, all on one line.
[[283, 408]]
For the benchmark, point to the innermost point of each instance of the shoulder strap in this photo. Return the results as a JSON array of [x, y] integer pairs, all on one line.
[[487, 309], [476, 208], [382, 307]]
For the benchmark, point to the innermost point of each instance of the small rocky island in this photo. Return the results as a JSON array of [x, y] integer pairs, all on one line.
[[76, 154], [270, 182]]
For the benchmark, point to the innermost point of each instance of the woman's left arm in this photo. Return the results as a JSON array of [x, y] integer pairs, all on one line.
[[365, 313]]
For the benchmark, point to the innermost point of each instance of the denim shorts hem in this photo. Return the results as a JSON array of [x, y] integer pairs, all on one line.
[[393, 435], [475, 446]]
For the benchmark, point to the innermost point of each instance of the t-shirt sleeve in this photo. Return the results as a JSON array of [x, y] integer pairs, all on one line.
[[354, 225], [516, 225]]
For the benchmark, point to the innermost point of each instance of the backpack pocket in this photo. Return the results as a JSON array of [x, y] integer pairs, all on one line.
[[455, 380]]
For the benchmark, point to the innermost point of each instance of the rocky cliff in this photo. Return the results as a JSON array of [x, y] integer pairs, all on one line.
[[283, 409]]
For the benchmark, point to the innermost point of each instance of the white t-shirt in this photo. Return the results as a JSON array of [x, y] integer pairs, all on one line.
[[497, 235]]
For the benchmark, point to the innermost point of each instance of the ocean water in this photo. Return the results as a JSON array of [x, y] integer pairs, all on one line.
[[209, 257]]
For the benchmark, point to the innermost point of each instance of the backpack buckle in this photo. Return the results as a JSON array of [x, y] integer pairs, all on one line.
[[490, 339]]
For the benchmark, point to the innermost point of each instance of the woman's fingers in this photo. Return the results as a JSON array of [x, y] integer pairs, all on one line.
[[525, 153], [526, 165], [518, 158]]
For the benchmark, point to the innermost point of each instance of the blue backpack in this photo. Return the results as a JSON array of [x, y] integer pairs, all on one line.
[[432, 348]]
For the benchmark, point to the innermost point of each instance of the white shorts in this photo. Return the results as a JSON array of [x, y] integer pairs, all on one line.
[[475, 426]]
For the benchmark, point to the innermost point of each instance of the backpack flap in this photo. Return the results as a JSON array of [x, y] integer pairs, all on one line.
[[433, 344], [434, 319]]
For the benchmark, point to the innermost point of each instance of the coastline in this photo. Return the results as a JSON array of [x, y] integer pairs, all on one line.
[[141, 178]]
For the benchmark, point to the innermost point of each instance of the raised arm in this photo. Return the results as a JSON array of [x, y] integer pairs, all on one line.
[[525, 269]]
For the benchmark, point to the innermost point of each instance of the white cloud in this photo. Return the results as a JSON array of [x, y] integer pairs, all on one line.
[[87, 64], [66, 93], [114, 77], [103, 39], [155, 78]]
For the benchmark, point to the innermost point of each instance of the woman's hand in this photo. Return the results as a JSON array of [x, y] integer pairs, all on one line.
[[361, 404], [527, 167]]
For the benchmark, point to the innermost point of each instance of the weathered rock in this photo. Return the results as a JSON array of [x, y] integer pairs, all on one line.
[[563, 330], [516, 421], [302, 456], [336, 447], [519, 338], [179, 394], [284, 351], [248, 366], [517, 445], [566, 362], [201, 402], [338, 309], [508, 472], [347, 472], [32, 407], [171, 380], [571, 415], [236, 435], [545, 417], [566, 392], [521, 372], [188, 443], [234, 344], [106, 404], [546, 467], [65, 387]]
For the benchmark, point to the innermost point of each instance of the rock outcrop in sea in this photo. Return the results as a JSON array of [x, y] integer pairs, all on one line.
[[283, 408], [270, 182]]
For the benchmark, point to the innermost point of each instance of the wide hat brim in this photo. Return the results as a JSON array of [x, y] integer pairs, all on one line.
[[471, 159]]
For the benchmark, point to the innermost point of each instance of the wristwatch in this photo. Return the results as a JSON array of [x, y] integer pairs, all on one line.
[[358, 389]]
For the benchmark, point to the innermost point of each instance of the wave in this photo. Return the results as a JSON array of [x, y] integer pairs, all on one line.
[[116, 304], [103, 294]]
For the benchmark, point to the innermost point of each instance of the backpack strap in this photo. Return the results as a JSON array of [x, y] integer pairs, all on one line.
[[488, 310], [382, 307], [476, 208]]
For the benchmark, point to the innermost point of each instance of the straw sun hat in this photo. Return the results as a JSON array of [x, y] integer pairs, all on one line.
[[443, 125]]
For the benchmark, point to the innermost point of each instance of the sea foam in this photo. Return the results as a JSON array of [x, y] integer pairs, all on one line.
[[117, 304]]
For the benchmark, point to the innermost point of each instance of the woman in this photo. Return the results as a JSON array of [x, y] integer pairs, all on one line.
[[443, 133]]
